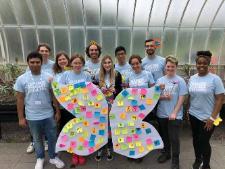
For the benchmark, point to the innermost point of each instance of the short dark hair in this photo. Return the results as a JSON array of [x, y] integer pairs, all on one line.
[[56, 67], [44, 45], [138, 57], [120, 48], [98, 47], [149, 40], [34, 55], [205, 54], [76, 55]]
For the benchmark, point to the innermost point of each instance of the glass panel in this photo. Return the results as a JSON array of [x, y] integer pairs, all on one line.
[[92, 11], [125, 18], [6, 12], [22, 12], [40, 12], [142, 12], [1, 46], [159, 12], [222, 57], [191, 13], [109, 10], [108, 42], [61, 40], [198, 42], [77, 41], [45, 36], [183, 46], [14, 44], [124, 39], [29, 41], [75, 12], [93, 34], [138, 41], [169, 42], [155, 32], [175, 12], [214, 44], [58, 12], [219, 21], [208, 13]]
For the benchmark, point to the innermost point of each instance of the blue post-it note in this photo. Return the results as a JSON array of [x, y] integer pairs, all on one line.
[[156, 142], [125, 93], [102, 119], [101, 132], [138, 131], [148, 130], [97, 114], [131, 153], [92, 137], [134, 102], [157, 88], [91, 143], [142, 107], [79, 85]]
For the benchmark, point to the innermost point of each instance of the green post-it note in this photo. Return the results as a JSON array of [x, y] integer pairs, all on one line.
[[55, 84], [124, 131], [112, 116], [156, 96], [124, 146], [80, 147]]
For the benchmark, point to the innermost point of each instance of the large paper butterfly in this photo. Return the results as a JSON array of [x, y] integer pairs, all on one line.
[[88, 132]]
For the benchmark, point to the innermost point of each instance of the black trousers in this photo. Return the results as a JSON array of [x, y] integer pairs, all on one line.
[[170, 133], [201, 138]]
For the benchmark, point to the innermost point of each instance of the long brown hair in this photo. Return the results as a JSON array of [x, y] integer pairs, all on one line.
[[56, 67], [102, 73]]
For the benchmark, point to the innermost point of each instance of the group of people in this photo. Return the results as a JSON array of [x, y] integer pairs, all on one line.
[[36, 101]]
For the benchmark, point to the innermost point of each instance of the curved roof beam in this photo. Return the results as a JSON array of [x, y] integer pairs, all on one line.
[[132, 28], [5, 54], [149, 17], [85, 24], [100, 26], [65, 4]]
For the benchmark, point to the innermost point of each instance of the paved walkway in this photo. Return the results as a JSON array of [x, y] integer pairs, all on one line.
[[13, 156]]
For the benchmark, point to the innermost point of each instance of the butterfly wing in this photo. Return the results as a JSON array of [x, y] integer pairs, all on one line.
[[88, 131], [131, 136]]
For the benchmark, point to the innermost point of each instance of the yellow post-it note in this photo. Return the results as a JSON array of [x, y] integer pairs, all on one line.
[[100, 140], [124, 131], [123, 116], [121, 140], [117, 146], [97, 105], [129, 109], [70, 87], [149, 101], [131, 145], [104, 111], [99, 97], [102, 126], [64, 90], [130, 97], [138, 143], [79, 130], [85, 134], [80, 103], [150, 147], [130, 123], [85, 97], [120, 103], [91, 103], [134, 117], [141, 149], [67, 98], [117, 132]]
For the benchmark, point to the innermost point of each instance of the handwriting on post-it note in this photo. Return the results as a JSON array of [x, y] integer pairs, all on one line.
[[94, 93], [143, 91], [89, 114]]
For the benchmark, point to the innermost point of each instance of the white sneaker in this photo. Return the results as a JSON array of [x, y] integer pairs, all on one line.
[[39, 163], [46, 145], [30, 148], [57, 162]]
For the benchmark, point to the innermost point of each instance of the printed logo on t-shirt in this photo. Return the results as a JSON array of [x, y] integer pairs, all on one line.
[[36, 86], [198, 87], [152, 67], [170, 89], [137, 82]]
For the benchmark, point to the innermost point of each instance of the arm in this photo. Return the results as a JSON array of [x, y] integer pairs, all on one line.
[[56, 106], [20, 109], [177, 108]]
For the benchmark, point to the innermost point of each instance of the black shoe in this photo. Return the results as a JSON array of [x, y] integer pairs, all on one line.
[[197, 164], [139, 160], [175, 166], [109, 155], [98, 157], [163, 158], [203, 167]]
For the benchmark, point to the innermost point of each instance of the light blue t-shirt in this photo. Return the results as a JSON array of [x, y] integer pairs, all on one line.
[[107, 79], [155, 65], [140, 80], [57, 76], [124, 70], [38, 101], [175, 86], [70, 77], [47, 67], [202, 90], [91, 67]]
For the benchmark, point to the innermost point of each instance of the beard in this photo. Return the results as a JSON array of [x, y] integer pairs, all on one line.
[[150, 51]]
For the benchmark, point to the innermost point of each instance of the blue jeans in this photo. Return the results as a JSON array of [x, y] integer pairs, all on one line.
[[46, 127]]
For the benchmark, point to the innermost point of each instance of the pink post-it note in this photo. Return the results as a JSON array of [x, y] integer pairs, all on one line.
[[73, 144], [141, 115], [85, 143], [90, 86], [136, 137], [128, 139], [91, 150], [148, 141], [64, 138], [89, 114], [134, 91], [94, 92], [82, 108], [70, 106], [62, 145], [143, 91]]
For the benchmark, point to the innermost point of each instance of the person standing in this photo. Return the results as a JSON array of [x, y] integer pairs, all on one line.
[[206, 93], [33, 92], [170, 111]]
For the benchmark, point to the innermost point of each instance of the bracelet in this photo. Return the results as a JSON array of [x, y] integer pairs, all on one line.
[[211, 118]]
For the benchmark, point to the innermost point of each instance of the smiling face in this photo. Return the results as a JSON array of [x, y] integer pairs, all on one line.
[[136, 65], [202, 65], [77, 65], [150, 48], [62, 61], [170, 68], [35, 65], [93, 52], [121, 57], [107, 64], [44, 52]]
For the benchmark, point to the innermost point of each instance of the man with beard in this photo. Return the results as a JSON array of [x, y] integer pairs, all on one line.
[[152, 62]]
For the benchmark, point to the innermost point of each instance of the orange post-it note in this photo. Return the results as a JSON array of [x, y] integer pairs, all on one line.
[[81, 139], [62, 99], [84, 90], [104, 111], [102, 126], [149, 101], [64, 90], [123, 116]]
